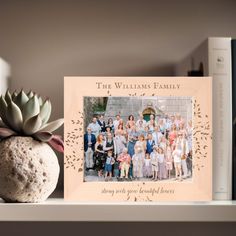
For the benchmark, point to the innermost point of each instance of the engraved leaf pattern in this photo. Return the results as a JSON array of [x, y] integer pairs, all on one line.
[[201, 136], [74, 141]]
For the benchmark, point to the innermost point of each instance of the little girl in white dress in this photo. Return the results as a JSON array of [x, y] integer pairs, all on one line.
[[154, 163], [147, 168], [169, 160]]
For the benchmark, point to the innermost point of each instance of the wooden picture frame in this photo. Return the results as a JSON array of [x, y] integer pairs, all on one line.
[[196, 90]]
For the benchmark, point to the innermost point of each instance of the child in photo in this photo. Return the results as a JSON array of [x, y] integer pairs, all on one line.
[[108, 165], [154, 163], [169, 160], [116, 171], [161, 163], [177, 162], [124, 159], [147, 169]]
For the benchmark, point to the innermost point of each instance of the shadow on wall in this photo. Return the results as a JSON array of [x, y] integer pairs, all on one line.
[[164, 70]]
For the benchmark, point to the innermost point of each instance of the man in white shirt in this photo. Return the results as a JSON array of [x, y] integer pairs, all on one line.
[[168, 123], [156, 135], [95, 127], [116, 122], [119, 143]]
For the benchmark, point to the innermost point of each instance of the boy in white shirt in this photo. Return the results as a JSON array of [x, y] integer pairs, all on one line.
[[108, 165]]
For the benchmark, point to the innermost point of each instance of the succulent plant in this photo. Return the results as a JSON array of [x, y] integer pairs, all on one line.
[[24, 114]]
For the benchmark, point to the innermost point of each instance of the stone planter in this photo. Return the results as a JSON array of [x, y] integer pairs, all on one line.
[[29, 170]]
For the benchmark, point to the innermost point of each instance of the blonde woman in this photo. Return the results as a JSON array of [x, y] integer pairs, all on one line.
[[139, 156]]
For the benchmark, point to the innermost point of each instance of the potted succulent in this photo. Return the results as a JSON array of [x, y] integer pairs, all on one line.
[[29, 167]]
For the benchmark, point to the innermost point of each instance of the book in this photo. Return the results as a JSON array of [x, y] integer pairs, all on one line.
[[4, 76], [234, 114], [213, 58], [157, 142]]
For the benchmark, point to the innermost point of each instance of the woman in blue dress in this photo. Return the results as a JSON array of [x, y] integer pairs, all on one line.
[[132, 139]]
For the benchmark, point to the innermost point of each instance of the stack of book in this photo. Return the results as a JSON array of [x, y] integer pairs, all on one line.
[[216, 57]]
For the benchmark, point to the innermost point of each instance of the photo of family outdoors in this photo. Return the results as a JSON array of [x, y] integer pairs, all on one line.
[[138, 139]]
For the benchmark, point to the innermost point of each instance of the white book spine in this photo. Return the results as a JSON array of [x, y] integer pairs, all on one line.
[[4, 76], [220, 68], [215, 56]]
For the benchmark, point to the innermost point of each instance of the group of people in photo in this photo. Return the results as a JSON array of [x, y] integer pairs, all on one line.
[[157, 149]]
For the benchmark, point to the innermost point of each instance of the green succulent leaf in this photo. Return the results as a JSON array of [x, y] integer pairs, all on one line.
[[14, 116], [8, 97], [32, 125], [31, 108], [3, 109], [43, 136], [40, 101], [5, 132], [45, 111], [27, 114], [13, 96], [30, 94], [50, 127], [21, 99], [49, 112]]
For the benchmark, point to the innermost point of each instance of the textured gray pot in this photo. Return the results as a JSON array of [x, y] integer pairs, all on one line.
[[29, 170]]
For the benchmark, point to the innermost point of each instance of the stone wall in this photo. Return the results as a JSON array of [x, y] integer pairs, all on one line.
[[136, 105]]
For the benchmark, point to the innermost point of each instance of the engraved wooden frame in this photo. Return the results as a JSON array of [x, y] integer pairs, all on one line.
[[200, 189]]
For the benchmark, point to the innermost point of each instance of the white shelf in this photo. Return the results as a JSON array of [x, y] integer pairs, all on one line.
[[60, 210]]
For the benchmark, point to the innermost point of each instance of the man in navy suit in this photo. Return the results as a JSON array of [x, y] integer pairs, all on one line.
[[89, 145], [150, 144], [102, 123]]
